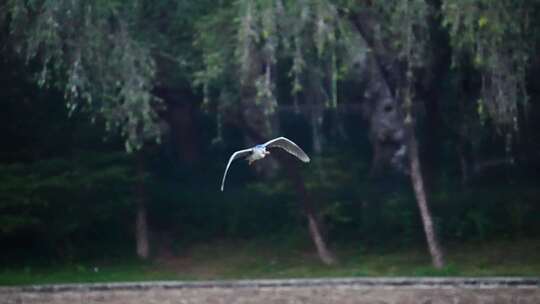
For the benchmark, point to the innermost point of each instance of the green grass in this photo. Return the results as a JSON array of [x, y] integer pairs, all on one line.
[[271, 259]]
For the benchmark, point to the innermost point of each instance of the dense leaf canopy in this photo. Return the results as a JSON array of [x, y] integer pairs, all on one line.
[[108, 56]]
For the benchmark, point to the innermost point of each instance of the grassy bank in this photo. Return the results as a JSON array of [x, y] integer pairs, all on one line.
[[253, 259]]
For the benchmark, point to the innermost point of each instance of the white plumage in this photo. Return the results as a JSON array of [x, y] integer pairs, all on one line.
[[260, 152]]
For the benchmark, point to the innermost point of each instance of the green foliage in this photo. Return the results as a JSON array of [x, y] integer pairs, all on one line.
[[403, 26], [405, 23], [106, 57], [64, 205], [167, 27], [214, 40], [299, 32], [499, 38], [88, 49]]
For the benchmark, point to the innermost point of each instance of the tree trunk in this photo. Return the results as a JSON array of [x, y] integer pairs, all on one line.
[[261, 123], [386, 77], [141, 223], [316, 130], [421, 198], [308, 205], [463, 130], [432, 143], [432, 89], [464, 166], [462, 144], [315, 98], [184, 132], [314, 223], [141, 231], [322, 250]]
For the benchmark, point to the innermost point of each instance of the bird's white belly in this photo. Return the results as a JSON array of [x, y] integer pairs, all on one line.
[[256, 155]]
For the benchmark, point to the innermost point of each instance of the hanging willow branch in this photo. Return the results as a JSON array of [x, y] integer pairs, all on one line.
[[495, 35], [406, 26], [86, 48], [303, 31]]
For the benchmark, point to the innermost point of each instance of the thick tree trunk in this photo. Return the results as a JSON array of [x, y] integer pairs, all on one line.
[[421, 198], [141, 223], [387, 76]]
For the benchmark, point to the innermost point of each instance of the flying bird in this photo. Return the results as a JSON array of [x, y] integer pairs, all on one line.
[[260, 152]]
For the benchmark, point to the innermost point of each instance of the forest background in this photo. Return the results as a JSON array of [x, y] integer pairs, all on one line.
[[118, 118]]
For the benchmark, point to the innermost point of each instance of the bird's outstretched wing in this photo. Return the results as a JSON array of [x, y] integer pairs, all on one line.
[[235, 155], [289, 146]]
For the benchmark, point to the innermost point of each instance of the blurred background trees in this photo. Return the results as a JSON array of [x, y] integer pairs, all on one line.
[[441, 92]]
